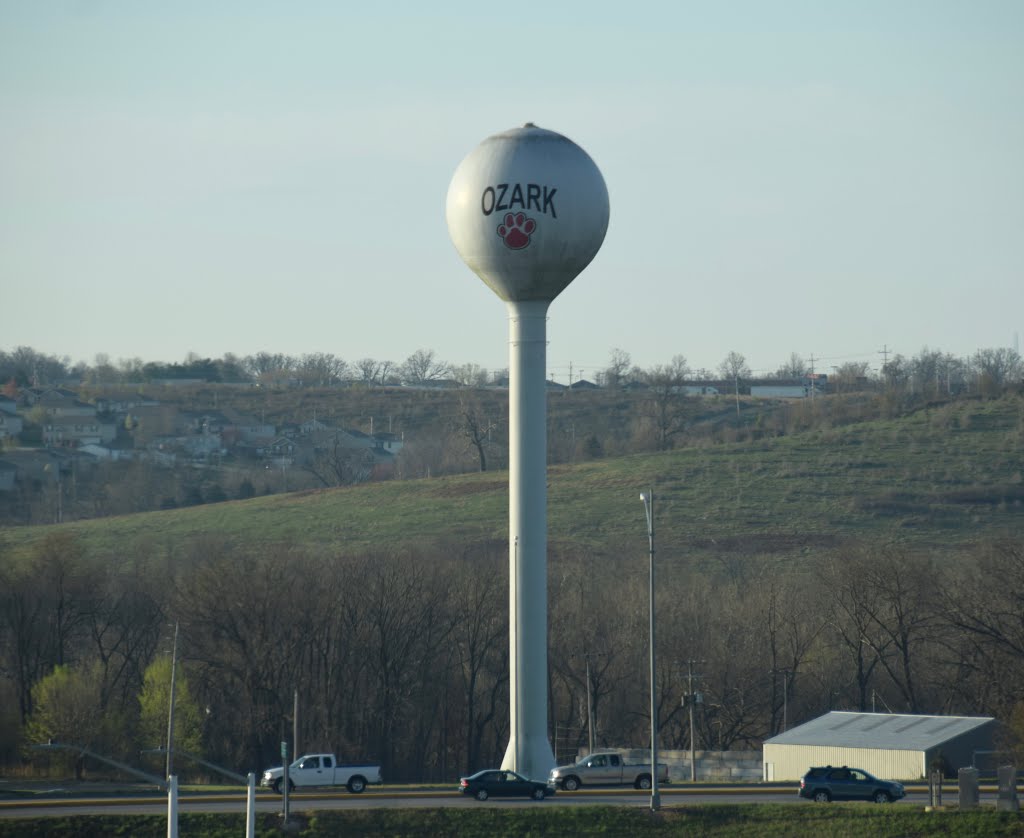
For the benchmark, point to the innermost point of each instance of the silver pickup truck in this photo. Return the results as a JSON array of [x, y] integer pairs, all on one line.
[[606, 769]]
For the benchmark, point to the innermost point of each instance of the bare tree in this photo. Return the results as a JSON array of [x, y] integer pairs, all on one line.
[[470, 375], [248, 619], [480, 658], [997, 367], [270, 368], [130, 369], [336, 462], [734, 366], [619, 362], [668, 408], [44, 606], [321, 369], [849, 377], [372, 371], [30, 368], [477, 425], [368, 370], [902, 608], [851, 620], [985, 601], [422, 366], [896, 373], [795, 367]]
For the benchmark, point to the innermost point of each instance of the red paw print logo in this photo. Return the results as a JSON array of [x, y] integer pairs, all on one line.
[[516, 229]]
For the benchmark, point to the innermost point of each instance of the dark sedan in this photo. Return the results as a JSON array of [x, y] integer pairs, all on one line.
[[500, 783]]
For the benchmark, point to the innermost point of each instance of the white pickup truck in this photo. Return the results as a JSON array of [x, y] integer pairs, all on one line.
[[607, 769], [322, 770]]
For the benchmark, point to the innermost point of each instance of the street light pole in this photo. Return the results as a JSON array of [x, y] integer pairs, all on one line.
[[170, 704], [648, 500]]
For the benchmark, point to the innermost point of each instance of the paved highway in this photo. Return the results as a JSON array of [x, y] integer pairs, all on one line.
[[372, 799]]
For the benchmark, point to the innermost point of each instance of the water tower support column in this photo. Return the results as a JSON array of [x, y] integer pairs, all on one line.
[[529, 750]]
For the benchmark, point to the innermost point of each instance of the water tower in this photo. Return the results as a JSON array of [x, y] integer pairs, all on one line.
[[527, 210]]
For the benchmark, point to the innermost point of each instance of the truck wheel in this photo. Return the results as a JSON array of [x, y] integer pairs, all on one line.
[[643, 781], [481, 794], [538, 794], [570, 784], [356, 785], [279, 785]]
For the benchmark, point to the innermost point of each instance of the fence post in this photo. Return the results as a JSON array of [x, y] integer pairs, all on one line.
[[172, 806], [967, 780], [1008, 801], [250, 807]]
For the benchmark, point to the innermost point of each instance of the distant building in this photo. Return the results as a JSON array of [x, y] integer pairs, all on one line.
[[893, 746], [74, 431], [11, 425], [796, 388]]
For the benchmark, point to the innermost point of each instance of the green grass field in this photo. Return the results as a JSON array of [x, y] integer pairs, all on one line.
[[936, 480], [707, 821]]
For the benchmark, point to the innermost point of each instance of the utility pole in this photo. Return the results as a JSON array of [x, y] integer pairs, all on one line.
[[590, 710], [691, 700], [786, 673]]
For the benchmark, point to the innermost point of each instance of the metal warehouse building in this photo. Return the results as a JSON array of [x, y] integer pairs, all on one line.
[[889, 745]]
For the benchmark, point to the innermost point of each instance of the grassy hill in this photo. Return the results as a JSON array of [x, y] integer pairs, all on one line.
[[937, 480]]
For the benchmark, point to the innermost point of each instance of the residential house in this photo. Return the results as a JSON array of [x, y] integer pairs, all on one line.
[[391, 443], [115, 450], [149, 423], [29, 396], [38, 465], [281, 450], [11, 423], [248, 428], [55, 401], [127, 403], [74, 431], [381, 447]]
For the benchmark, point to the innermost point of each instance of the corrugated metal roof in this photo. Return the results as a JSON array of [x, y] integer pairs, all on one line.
[[888, 731]]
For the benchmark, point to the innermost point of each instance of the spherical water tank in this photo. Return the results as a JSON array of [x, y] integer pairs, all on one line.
[[527, 210]]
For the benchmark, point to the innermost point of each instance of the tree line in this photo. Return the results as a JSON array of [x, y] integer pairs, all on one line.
[[929, 371], [403, 658]]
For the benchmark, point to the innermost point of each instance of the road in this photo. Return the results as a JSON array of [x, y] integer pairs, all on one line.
[[373, 799]]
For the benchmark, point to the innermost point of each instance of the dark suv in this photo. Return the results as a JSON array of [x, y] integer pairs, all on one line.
[[824, 785]]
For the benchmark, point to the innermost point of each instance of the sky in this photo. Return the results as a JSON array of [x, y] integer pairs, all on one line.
[[837, 180]]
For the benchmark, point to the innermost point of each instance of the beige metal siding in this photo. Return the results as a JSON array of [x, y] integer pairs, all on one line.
[[790, 762]]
